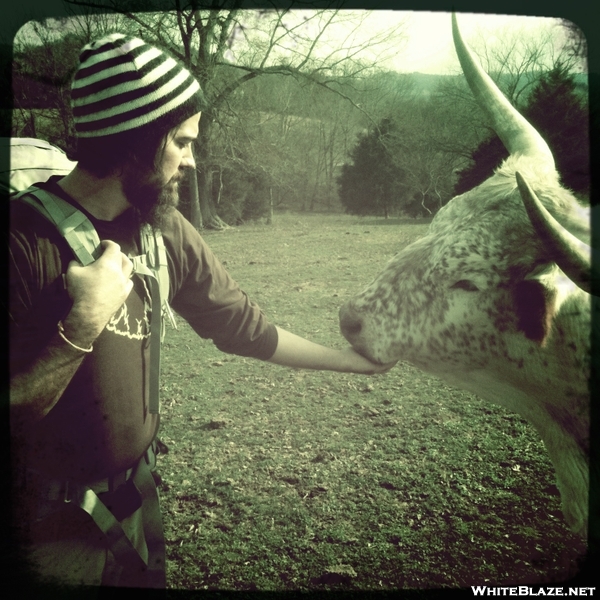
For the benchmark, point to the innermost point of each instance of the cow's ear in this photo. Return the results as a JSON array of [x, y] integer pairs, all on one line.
[[535, 303]]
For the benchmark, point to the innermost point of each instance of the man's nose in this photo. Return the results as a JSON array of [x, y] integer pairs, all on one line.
[[187, 160]]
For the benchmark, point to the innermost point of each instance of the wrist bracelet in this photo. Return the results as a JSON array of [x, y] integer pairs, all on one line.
[[61, 332]]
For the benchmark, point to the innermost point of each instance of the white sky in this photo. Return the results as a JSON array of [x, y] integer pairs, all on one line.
[[430, 48], [424, 41]]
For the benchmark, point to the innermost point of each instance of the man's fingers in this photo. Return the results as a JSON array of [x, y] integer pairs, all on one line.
[[128, 287], [126, 266], [112, 251], [110, 247]]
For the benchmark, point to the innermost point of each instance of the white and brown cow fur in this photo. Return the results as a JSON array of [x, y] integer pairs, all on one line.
[[478, 303]]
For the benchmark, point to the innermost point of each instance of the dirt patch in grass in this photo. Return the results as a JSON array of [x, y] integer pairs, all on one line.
[[279, 479]]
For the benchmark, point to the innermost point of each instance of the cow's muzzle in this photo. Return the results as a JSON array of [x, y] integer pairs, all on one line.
[[351, 323]]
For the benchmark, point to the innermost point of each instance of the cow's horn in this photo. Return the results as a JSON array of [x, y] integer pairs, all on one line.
[[517, 135], [572, 255]]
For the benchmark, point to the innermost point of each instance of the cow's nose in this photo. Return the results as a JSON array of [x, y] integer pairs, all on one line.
[[350, 323]]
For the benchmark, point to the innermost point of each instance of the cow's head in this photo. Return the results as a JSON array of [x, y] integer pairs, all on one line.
[[495, 297], [478, 279]]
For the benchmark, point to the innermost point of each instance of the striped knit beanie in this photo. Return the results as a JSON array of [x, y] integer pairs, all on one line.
[[123, 83]]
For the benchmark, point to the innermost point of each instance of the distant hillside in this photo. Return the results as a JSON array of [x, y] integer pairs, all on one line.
[[425, 84]]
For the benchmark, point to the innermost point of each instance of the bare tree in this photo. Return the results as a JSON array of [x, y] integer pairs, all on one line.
[[515, 59], [575, 46], [424, 168], [226, 46], [43, 65]]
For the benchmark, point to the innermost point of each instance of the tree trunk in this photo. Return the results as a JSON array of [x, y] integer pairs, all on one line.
[[30, 130], [210, 218], [270, 213], [195, 212]]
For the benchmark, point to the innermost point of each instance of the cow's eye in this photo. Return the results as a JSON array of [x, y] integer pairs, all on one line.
[[465, 284]]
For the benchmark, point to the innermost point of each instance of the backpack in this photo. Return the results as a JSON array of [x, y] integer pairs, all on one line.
[[28, 163], [25, 161]]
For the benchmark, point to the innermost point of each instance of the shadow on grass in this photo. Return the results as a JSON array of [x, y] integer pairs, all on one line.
[[396, 221]]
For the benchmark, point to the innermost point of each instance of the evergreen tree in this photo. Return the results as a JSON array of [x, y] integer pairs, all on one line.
[[486, 158], [558, 111], [370, 184]]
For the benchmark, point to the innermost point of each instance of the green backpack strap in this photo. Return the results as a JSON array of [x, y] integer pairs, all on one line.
[[154, 257], [153, 264], [74, 226]]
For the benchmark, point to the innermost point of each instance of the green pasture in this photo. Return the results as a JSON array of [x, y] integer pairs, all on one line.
[[280, 479]]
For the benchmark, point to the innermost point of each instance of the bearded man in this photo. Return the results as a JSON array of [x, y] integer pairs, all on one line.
[[81, 428]]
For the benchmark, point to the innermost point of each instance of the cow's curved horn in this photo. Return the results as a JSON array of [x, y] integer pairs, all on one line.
[[517, 135], [572, 255]]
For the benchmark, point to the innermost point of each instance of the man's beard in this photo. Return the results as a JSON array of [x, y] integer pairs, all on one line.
[[151, 199]]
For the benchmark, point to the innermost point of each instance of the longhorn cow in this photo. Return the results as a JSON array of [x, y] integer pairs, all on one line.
[[495, 298]]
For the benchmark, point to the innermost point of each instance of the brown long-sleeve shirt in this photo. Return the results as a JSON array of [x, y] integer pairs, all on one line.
[[101, 424]]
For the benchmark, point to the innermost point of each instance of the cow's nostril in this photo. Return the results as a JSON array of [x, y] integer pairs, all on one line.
[[350, 323], [353, 328]]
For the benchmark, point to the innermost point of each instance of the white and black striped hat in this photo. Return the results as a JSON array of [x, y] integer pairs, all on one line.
[[123, 83]]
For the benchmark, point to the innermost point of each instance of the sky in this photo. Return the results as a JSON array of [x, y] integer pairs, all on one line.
[[427, 45], [423, 42], [430, 49]]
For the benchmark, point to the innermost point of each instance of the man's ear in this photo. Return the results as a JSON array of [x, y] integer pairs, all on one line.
[[534, 300]]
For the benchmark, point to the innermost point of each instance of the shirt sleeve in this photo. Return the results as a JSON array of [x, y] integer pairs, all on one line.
[[37, 257], [207, 297]]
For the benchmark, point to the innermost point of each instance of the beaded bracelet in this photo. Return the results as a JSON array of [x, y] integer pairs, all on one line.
[[61, 332]]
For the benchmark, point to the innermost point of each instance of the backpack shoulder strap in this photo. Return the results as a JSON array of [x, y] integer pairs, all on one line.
[[74, 226], [162, 268], [154, 258]]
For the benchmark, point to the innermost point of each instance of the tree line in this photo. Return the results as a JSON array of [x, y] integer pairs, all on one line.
[[291, 123], [402, 165]]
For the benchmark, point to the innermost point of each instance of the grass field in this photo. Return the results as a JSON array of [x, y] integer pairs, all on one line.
[[279, 479]]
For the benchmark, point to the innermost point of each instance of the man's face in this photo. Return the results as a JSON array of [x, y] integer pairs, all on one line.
[[153, 194]]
